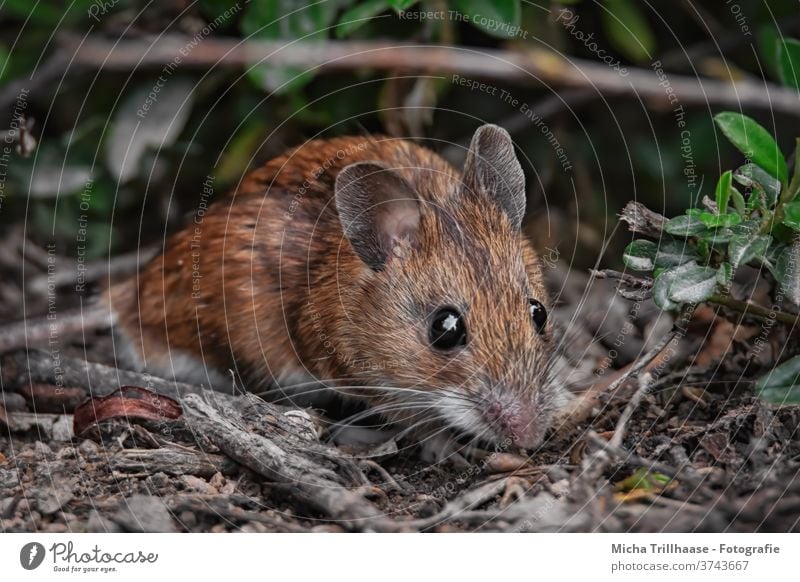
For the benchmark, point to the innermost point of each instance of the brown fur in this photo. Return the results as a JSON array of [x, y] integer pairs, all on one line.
[[282, 295]]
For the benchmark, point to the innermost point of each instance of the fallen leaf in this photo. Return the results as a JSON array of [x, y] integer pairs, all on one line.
[[127, 402], [643, 480], [715, 444]]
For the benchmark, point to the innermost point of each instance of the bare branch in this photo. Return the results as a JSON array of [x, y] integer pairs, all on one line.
[[642, 220], [514, 67]]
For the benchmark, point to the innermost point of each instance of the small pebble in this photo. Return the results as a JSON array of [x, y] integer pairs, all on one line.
[[88, 448], [557, 474], [14, 402], [426, 505], [157, 481], [560, 488], [66, 453], [505, 463], [62, 429], [144, 513], [199, 485], [50, 500], [97, 523], [188, 519], [217, 481], [5, 504], [42, 449]]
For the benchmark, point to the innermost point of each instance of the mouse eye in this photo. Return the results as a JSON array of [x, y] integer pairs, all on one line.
[[538, 314], [448, 330]]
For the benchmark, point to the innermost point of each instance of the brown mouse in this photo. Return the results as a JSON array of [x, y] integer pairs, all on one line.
[[371, 267]]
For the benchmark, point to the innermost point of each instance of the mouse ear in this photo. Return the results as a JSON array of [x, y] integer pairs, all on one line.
[[378, 209], [492, 167]]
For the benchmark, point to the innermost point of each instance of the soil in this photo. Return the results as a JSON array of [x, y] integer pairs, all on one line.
[[699, 451]]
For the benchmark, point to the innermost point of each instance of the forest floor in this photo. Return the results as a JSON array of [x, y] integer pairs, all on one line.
[[689, 449]]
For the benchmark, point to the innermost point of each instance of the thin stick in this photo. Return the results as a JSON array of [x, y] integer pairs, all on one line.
[[619, 430], [642, 362], [747, 308]]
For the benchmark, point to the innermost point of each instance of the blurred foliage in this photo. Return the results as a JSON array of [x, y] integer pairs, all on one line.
[[782, 384], [140, 174]]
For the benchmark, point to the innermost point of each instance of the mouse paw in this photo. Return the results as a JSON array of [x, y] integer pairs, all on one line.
[[441, 448]]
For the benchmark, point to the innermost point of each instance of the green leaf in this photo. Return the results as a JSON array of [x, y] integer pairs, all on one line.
[[717, 236], [47, 15], [241, 147], [400, 5], [663, 285], [750, 226], [281, 19], [643, 479], [672, 253], [782, 384], [358, 15], [685, 226], [789, 62], [495, 17], [693, 285], [703, 249], [738, 201], [723, 192], [754, 142], [640, 255], [787, 271], [628, 30], [774, 252], [661, 291], [791, 214], [793, 190], [752, 176], [5, 61], [767, 38], [743, 249], [712, 220]]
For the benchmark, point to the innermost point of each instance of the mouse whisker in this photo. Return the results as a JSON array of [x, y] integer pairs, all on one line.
[[406, 405], [426, 435], [289, 391]]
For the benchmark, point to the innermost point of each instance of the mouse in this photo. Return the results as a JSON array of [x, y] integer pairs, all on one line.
[[368, 268]]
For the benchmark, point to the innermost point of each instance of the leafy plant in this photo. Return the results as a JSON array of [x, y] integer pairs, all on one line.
[[782, 384], [754, 220], [699, 252]]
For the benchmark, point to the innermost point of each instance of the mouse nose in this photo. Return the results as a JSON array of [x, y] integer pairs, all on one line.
[[518, 423]]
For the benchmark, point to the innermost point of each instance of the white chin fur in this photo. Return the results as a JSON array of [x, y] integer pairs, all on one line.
[[461, 415]]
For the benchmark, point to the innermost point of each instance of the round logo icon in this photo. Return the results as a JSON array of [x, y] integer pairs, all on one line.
[[31, 555]]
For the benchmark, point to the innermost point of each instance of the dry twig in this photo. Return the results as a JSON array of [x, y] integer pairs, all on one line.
[[314, 473]]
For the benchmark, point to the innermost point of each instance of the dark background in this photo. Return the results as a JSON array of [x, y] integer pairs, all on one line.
[[226, 120]]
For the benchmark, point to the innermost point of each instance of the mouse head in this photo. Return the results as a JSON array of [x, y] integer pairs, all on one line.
[[448, 319]]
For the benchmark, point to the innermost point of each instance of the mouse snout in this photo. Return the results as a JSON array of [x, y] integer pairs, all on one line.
[[517, 423]]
